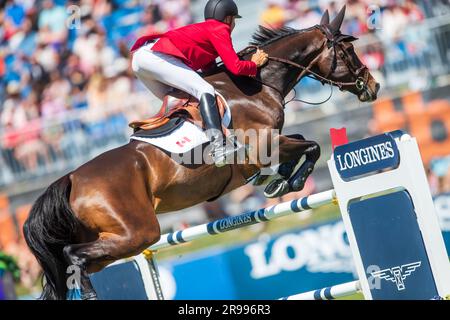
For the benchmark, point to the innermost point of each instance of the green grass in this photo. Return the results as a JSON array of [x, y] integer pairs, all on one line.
[[357, 296]]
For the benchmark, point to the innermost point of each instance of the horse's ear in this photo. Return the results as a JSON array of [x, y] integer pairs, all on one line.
[[335, 25], [325, 18]]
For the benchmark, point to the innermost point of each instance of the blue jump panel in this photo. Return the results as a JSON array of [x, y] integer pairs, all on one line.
[[119, 282], [390, 240]]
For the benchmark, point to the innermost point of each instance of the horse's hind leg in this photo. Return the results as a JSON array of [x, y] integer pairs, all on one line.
[[124, 231], [94, 256]]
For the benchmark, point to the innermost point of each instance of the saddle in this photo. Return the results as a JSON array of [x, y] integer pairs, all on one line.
[[176, 109]]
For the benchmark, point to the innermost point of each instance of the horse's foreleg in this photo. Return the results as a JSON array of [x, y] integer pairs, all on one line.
[[290, 151], [284, 169], [312, 153]]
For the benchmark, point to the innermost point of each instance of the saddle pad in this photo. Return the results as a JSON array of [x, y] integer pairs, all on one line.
[[178, 135], [184, 138]]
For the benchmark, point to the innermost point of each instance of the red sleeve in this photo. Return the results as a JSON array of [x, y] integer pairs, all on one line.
[[221, 40]]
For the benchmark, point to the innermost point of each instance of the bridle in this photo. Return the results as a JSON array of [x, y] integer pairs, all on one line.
[[332, 41]]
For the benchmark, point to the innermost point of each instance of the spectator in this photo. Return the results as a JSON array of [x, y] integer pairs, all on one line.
[[52, 23], [148, 21], [394, 20], [175, 13], [31, 148], [119, 85], [275, 15], [105, 54], [13, 118], [13, 115], [15, 14], [85, 47], [413, 11], [306, 16], [46, 56], [24, 39], [39, 77]]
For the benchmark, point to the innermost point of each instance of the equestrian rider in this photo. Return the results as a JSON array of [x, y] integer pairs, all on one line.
[[170, 60]]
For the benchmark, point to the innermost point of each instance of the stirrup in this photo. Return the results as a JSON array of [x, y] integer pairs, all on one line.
[[277, 188], [222, 150]]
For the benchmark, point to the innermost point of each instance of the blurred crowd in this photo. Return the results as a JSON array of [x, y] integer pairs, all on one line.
[[64, 69], [362, 16]]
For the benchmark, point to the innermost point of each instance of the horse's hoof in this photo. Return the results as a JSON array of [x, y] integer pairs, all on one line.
[[297, 181], [89, 296], [260, 179], [276, 188], [298, 185]]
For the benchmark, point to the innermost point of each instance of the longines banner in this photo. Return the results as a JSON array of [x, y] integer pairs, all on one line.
[[273, 266]]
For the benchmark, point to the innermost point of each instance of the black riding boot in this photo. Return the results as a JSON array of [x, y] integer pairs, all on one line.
[[213, 123]]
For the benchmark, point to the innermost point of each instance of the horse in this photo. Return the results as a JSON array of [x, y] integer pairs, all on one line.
[[106, 209]]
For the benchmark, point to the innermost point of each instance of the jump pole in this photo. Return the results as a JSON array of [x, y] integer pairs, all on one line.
[[230, 223], [328, 293], [245, 219]]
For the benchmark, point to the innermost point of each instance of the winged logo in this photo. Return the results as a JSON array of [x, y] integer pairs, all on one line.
[[397, 274]]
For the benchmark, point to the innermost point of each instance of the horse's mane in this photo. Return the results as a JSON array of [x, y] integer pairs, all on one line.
[[264, 36]]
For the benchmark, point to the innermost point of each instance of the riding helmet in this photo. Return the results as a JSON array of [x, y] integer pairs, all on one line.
[[219, 9]]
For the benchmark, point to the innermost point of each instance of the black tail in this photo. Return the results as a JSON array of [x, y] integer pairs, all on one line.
[[51, 226]]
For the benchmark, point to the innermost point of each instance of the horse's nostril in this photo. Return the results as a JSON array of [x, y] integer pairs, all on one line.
[[377, 88]]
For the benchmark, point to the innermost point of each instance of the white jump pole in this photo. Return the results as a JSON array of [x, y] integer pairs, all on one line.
[[231, 223], [328, 293], [245, 219]]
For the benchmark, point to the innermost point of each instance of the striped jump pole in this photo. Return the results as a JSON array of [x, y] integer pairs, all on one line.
[[245, 219], [232, 223], [328, 293]]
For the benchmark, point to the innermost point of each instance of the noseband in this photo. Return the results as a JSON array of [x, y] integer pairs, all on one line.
[[360, 83]]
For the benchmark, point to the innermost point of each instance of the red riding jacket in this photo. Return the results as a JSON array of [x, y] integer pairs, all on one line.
[[199, 44]]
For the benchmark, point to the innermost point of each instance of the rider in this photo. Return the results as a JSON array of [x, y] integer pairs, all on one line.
[[170, 60]]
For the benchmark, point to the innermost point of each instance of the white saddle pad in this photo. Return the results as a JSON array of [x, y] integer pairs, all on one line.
[[186, 137]]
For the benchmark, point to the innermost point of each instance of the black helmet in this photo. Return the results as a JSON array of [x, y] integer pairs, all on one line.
[[219, 9]]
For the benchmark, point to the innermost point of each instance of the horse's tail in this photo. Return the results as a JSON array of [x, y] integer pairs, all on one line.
[[51, 226]]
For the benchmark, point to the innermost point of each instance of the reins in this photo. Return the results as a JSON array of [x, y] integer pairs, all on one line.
[[360, 83]]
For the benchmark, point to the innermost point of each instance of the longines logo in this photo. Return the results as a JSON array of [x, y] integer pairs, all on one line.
[[397, 274], [366, 155]]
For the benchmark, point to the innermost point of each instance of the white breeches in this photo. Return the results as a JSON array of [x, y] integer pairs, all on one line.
[[161, 72]]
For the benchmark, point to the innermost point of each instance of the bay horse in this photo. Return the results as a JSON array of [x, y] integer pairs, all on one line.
[[106, 209]]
